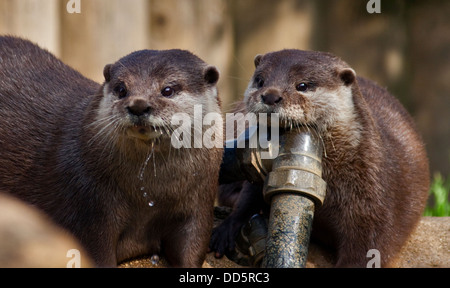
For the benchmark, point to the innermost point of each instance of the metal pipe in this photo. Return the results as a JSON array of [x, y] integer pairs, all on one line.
[[289, 231], [294, 187]]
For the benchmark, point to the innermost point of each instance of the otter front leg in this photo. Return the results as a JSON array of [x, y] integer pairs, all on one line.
[[250, 202], [187, 245], [364, 250], [361, 234], [101, 250]]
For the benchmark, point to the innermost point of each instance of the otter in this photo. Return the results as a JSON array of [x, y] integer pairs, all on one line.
[[374, 161], [98, 158]]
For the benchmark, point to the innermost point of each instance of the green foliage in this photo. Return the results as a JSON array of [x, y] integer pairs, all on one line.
[[439, 193]]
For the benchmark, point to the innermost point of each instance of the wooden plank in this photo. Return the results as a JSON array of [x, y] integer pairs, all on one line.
[[36, 20]]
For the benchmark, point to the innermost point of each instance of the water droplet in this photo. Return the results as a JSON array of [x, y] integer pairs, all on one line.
[[145, 194], [154, 164], [154, 259], [151, 203], [141, 173]]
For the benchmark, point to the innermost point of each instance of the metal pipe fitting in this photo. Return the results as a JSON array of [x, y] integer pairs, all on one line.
[[298, 167], [294, 187]]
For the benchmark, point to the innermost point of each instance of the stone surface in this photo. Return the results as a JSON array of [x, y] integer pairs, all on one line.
[[428, 247], [29, 239]]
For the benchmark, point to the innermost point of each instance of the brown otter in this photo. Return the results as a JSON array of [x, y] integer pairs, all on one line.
[[98, 158], [374, 161]]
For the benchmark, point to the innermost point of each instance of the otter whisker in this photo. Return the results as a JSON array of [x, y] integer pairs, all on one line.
[[112, 121], [100, 121], [111, 136]]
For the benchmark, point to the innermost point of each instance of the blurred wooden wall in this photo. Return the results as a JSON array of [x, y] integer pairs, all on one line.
[[405, 48]]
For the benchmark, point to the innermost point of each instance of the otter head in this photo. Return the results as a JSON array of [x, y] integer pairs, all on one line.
[[143, 91], [303, 87]]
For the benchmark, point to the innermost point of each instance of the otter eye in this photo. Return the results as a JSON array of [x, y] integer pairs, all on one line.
[[302, 87], [259, 82], [168, 92], [121, 90]]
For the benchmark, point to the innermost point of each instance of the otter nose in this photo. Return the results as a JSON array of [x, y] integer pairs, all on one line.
[[139, 107], [271, 99]]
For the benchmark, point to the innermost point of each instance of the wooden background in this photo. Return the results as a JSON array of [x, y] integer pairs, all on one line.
[[405, 48]]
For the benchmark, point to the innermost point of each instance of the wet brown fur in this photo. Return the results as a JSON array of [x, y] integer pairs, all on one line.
[[374, 163], [83, 171]]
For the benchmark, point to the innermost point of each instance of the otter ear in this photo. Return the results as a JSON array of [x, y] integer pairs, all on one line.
[[211, 75], [348, 76], [257, 60], [107, 72]]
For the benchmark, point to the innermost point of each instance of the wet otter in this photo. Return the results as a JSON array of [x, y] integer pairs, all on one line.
[[374, 161], [98, 158]]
